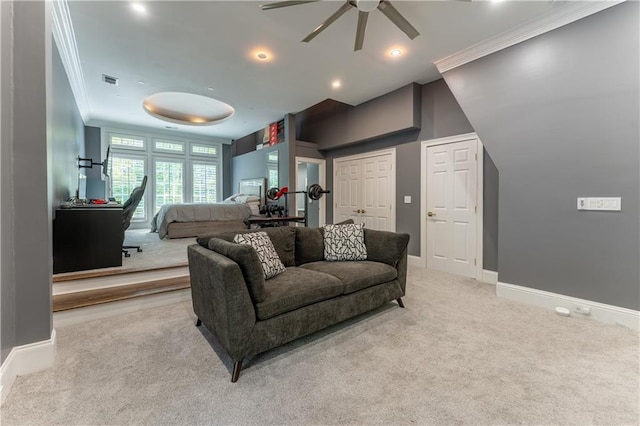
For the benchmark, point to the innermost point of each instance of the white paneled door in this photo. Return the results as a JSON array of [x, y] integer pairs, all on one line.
[[451, 207], [365, 191]]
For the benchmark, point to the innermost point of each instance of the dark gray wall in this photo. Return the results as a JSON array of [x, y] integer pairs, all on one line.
[[26, 207], [490, 213], [254, 165], [67, 136], [227, 185], [559, 115], [440, 116]]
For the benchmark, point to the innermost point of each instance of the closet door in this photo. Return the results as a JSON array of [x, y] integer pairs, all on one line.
[[364, 189], [348, 184]]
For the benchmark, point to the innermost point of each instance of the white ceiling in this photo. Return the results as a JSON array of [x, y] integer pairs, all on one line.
[[190, 46]]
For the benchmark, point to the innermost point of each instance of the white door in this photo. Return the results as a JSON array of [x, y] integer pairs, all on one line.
[[376, 193], [451, 207], [364, 191], [347, 193]]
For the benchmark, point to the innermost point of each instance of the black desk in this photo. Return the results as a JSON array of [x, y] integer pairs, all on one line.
[[87, 237]]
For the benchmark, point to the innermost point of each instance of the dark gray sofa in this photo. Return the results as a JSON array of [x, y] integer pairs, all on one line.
[[249, 315]]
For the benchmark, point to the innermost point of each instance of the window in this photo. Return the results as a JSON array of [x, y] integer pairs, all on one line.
[[204, 182], [204, 150], [127, 142], [179, 170], [168, 146], [169, 183], [127, 172]]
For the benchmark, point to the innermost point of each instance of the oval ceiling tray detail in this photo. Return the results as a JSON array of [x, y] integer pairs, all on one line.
[[187, 108]]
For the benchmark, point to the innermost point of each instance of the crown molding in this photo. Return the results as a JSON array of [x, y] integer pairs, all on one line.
[[563, 14], [65, 39]]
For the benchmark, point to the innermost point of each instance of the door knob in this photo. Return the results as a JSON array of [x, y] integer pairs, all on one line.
[[363, 211], [357, 211], [431, 214]]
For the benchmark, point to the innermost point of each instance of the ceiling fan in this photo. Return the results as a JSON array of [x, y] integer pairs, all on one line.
[[364, 7]]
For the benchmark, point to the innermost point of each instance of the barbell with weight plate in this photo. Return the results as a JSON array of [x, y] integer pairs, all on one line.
[[314, 192]]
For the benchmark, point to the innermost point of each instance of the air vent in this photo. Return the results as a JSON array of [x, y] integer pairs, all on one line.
[[110, 80]]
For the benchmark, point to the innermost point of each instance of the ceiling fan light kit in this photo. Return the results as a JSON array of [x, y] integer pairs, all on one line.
[[364, 7]]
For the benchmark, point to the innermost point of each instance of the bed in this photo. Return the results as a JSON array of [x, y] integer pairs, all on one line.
[[191, 220]]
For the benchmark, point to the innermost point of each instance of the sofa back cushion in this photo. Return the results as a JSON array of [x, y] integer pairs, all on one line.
[[384, 246], [282, 237], [247, 259], [309, 245]]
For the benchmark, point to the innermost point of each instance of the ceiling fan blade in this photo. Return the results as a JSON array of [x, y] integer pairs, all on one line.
[[362, 25], [280, 4], [345, 7], [394, 16]]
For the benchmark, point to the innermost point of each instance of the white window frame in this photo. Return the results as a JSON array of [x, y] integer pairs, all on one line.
[[134, 156], [177, 159], [201, 161], [145, 141], [217, 146], [168, 151]]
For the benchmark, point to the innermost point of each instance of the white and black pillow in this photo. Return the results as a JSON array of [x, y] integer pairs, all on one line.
[[344, 242], [260, 241]]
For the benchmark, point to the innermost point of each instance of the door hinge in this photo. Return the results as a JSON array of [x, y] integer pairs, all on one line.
[[476, 157], [475, 262], [476, 209]]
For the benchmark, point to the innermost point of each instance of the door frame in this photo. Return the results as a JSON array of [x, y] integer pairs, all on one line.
[[479, 196], [392, 196], [322, 173]]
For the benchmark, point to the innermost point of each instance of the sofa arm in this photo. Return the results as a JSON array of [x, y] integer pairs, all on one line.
[[390, 248], [221, 299]]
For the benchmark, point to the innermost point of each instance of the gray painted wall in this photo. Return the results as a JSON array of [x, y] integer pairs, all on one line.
[[26, 249], [440, 116], [490, 213], [93, 150], [67, 135], [254, 165], [559, 115], [227, 187]]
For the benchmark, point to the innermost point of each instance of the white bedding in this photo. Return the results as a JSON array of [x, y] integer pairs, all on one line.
[[197, 213]]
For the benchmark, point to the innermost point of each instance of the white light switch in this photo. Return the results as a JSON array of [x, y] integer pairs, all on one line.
[[407, 199], [612, 204]]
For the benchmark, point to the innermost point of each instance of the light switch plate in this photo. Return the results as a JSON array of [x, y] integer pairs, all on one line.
[[407, 199], [611, 204]]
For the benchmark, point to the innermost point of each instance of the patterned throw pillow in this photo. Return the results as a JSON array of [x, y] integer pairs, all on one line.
[[260, 241], [344, 242]]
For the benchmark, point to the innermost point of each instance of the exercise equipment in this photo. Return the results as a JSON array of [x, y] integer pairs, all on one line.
[[314, 192]]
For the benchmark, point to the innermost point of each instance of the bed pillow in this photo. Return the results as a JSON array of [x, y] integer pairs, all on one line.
[[344, 242], [271, 263]]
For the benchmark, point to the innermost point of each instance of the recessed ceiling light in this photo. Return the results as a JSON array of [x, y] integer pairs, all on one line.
[[139, 7], [262, 56], [140, 82], [336, 84], [395, 52], [210, 89]]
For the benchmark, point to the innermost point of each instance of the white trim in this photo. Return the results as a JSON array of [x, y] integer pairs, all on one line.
[[63, 34], [322, 173], [416, 261], [561, 15], [105, 310], [479, 195], [26, 359], [388, 151], [489, 277], [601, 312]]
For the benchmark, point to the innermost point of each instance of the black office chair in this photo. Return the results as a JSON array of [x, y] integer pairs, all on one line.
[[128, 208]]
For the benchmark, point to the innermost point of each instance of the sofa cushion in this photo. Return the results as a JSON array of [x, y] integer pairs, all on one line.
[[309, 245], [344, 242], [249, 263], [260, 241], [282, 237], [296, 288], [384, 246], [356, 275]]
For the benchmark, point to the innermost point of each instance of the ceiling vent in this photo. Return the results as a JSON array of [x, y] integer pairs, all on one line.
[[110, 80]]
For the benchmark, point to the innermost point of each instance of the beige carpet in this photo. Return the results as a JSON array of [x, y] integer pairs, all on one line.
[[155, 252], [455, 355]]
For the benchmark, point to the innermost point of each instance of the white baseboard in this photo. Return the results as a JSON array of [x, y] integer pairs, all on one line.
[[415, 261], [607, 314], [26, 359], [105, 310], [489, 277]]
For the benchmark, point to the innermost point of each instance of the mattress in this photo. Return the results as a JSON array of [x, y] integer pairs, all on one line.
[[170, 213]]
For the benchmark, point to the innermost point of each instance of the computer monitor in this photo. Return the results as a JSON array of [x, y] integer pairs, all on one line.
[[81, 193]]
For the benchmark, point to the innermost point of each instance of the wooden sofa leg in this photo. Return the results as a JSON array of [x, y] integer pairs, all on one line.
[[399, 300], [198, 322], [237, 366]]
